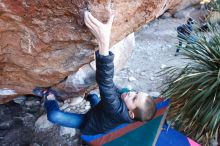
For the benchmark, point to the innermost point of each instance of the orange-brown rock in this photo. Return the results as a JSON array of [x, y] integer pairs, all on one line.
[[42, 42]]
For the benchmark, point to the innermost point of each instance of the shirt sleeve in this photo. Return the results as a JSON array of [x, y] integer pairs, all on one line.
[[104, 78]]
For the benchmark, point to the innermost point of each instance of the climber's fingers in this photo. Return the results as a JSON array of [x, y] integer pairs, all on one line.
[[111, 12], [88, 22], [93, 20], [111, 19]]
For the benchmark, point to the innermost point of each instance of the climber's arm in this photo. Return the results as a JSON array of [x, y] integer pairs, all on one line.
[[104, 61], [100, 30]]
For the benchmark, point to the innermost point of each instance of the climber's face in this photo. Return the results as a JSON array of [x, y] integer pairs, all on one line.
[[134, 99]]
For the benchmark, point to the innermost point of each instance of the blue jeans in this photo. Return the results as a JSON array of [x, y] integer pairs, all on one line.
[[72, 120]]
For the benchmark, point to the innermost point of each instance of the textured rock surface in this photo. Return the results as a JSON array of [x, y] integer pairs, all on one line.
[[42, 42]]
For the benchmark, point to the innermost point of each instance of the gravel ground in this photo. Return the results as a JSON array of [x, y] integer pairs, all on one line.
[[156, 44]]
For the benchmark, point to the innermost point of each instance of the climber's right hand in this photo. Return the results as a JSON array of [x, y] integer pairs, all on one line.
[[101, 31]]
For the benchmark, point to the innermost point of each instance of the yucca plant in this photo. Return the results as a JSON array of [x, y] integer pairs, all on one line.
[[195, 88], [214, 5]]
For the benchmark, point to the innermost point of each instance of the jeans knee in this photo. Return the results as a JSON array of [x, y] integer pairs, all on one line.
[[53, 116]]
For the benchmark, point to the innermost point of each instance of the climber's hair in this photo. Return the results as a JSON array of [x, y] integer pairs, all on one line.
[[147, 112]]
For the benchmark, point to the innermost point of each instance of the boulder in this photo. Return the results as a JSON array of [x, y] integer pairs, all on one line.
[[67, 131], [42, 124], [43, 43]]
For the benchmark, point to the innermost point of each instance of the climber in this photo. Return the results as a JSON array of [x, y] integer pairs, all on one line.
[[115, 106]]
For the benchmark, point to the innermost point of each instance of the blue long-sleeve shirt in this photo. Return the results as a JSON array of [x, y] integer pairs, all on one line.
[[111, 111]]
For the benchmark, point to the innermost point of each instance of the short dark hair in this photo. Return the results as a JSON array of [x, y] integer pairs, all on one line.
[[147, 112]]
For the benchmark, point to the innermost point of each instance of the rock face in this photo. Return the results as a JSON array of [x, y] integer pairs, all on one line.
[[44, 42]]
